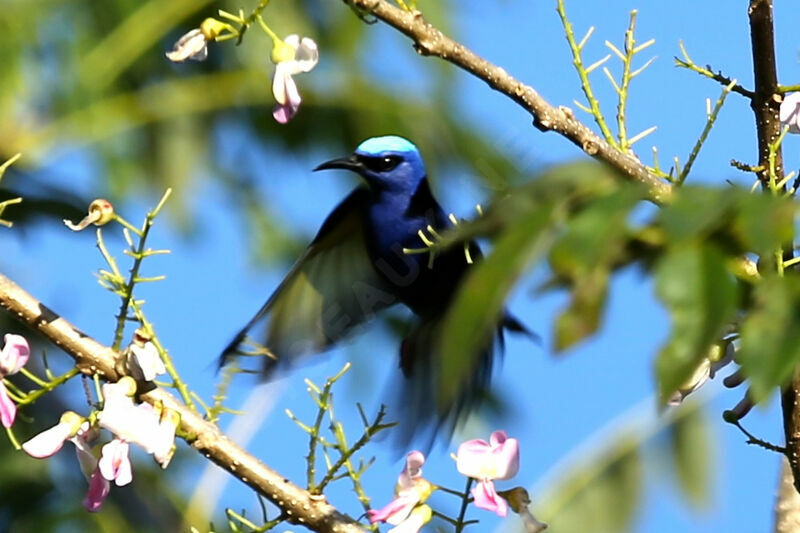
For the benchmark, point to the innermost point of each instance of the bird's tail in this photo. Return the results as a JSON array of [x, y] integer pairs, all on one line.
[[431, 403]]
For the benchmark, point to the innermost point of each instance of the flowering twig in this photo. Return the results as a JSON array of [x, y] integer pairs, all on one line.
[[114, 281], [93, 358]]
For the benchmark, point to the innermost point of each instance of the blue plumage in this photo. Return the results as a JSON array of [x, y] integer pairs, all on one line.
[[356, 266]]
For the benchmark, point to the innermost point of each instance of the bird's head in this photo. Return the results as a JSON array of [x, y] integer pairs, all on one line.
[[386, 163]]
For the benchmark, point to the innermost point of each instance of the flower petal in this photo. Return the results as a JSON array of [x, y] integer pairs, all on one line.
[[293, 40], [86, 458], [505, 455], [412, 470], [395, 511], [191, 45], [15, 354], [47, 442], [98, 490], [420, 516], [284, 113], [144, 362], [470, 457], [414, 462], [114, 464], [8, 409], [790, 112], [307, 56], [485, 497], [279, 83]]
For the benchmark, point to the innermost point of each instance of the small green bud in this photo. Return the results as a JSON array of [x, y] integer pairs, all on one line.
[[211, 28], [281, 51]]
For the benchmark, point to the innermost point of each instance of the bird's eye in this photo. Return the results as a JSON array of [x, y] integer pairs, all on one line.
[[383, 164]]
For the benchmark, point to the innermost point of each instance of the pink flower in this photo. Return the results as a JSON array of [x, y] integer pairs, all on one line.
[[410, 492], [291, 56], [114, 463], [51, 440], [13, 357], [485, 462]]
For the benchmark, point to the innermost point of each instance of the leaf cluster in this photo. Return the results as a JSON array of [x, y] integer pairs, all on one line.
[[586, 224]]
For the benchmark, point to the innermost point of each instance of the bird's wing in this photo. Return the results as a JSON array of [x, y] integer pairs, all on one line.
[[332, 288]]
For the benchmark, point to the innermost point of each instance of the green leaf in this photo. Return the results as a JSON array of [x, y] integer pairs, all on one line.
[[595, 239], [702, 298], [769, 350], [595, 236], [691, 454], [696, 212], [581, 318], [477, 307], [763, 223]]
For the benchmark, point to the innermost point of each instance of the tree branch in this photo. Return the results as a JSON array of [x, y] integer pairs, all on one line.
[[92, 357], [428, 40], [787, 503], [766, 106]]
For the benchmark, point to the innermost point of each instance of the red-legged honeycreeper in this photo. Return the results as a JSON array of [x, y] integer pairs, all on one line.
[[356, 266]]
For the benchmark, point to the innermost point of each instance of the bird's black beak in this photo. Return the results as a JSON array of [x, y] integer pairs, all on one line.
[[348, 163]]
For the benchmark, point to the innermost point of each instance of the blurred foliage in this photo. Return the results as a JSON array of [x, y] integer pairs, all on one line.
[[90, 82], [579, 216], [600, 491]]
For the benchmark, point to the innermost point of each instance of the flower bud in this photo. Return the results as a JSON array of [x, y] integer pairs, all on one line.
[[100, 212]]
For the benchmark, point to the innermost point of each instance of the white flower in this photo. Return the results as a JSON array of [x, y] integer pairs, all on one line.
[[138, 423], [144, 363], [135, 423], [194, 44], [291, 56]]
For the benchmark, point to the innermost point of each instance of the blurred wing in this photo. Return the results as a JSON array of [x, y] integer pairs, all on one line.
[[432, 404], [331, 289]]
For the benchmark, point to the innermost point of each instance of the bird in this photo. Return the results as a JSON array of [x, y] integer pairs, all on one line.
[[358, 265]]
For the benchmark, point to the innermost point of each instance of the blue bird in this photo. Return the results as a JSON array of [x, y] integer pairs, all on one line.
[[356, 267]]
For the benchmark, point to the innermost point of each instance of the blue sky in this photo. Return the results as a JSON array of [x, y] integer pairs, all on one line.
[[212, 289]]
